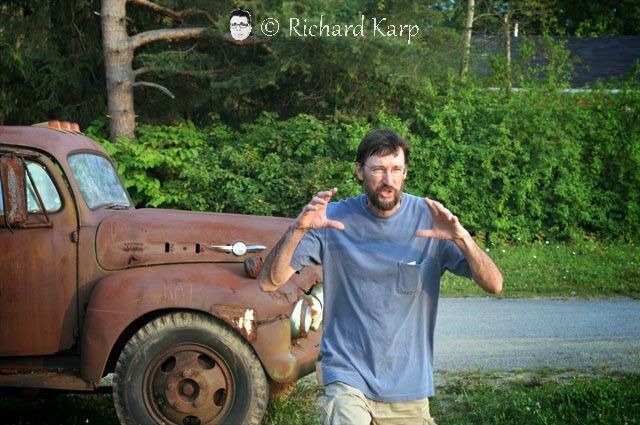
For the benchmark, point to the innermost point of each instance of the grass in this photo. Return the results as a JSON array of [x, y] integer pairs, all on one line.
[[587, 270], [542, 397], [301, 408], [518, 398]]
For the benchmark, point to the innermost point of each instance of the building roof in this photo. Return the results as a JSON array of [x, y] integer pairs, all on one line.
[[598, 58]]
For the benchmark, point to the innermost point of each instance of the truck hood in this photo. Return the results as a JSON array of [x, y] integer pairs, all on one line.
[[144, 237]]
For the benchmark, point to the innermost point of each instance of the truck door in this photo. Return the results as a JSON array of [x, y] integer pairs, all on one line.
[[38, 260]]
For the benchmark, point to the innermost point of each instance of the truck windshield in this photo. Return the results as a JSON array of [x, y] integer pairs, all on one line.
[[98, 181]]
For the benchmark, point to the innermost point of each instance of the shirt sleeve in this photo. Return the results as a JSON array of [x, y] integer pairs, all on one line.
[[308, 252], [451, 259]]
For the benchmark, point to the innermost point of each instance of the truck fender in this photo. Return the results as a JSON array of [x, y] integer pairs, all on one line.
[[221, 290]]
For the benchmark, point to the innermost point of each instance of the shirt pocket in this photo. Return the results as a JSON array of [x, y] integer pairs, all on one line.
[[409, 280]]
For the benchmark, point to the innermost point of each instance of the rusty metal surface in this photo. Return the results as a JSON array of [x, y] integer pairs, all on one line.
[[240, 318], [193, 382], [38, 304], [144, 237], [125, 264], [44, 379], [120, 298], [253, 266], [15, 206], [57, 143], [283, 361]]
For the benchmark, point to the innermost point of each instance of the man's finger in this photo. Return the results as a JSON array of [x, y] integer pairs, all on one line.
[[327, 194], [426, 233], [433, 208], [441, 209], [317, 200], [335, 224]]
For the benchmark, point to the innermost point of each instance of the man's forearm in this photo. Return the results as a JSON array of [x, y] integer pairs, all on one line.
[[484, 270], [277, 269]]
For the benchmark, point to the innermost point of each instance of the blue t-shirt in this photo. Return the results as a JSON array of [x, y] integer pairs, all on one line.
[[381, 288]]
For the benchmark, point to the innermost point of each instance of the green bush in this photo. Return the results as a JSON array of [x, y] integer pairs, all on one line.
[[514, 166]]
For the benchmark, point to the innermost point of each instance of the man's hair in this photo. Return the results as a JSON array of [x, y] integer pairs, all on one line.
[[381, 142], [240, 12]]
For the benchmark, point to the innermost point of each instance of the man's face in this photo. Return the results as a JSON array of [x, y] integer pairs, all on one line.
[[240, 28], [383, 181]]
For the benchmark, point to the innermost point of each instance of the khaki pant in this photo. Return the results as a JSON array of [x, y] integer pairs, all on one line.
[[346, 405]]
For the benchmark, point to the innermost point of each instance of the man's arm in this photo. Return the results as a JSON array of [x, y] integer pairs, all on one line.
[[485, 272], [447, 226], [277, 269]]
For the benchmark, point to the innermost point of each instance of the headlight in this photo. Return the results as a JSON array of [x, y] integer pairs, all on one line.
[[300, 319], [307, 313], [317, 303]]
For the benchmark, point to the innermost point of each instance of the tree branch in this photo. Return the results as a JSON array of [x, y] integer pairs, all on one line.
[[163, 89], [177, 16], [251, 41], [164, 35], [484, 15], [160, 9], [145, 70]]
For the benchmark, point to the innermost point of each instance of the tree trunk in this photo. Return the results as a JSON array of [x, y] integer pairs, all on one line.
[[118, 60], [466, 39], [507, 49], [119, 48]]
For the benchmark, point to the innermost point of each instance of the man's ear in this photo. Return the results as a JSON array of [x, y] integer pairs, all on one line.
[[359, 172]]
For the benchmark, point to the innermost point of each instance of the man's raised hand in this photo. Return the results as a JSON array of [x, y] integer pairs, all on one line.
[[445, 224], [314, 214]]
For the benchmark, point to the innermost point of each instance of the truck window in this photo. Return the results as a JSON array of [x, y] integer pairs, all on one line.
[[46, 189], [97, 180]]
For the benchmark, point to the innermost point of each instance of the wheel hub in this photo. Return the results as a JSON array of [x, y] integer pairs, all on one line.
[[189, 388], [189, 384]]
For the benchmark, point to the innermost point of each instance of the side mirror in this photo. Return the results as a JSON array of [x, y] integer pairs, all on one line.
[[12, 175]]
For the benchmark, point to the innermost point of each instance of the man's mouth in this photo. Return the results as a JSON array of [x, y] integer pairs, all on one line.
[[386, 192]]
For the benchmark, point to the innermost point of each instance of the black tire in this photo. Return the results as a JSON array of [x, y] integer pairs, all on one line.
[[187, 368]]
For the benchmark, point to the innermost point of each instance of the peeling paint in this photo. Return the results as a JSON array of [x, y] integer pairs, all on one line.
[[246, 322], [240, 318]]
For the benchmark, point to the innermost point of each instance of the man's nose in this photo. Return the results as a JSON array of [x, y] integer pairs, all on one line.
[[387, 177]]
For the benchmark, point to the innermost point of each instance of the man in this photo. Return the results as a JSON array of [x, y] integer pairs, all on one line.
[[240, 24], [383, 254]]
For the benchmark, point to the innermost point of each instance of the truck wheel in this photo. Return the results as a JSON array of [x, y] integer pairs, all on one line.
[[188, 369]]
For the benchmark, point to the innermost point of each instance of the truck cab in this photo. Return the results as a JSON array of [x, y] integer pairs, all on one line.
[[164, 300]]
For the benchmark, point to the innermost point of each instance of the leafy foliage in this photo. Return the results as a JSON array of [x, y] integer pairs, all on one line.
[[514, 166], [51, 61]]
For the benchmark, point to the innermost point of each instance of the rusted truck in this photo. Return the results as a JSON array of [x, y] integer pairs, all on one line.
[[165, 301]]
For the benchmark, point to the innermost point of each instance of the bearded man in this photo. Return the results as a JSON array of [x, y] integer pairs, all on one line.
[[382, 254]]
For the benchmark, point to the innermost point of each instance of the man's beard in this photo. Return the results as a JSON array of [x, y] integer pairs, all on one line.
[[382, 205]]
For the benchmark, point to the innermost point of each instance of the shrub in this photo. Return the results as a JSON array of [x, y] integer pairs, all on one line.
[[514, 166]]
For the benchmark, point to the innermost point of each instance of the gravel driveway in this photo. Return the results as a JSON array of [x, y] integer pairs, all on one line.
[[507, 334]]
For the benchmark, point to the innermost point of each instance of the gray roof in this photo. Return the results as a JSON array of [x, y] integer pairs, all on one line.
[[599, 58]]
